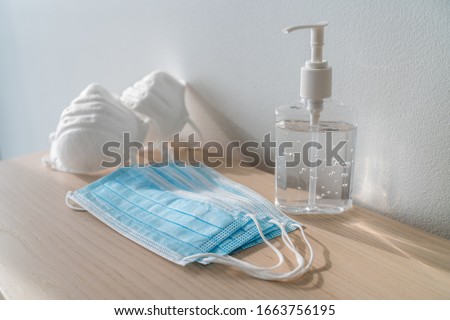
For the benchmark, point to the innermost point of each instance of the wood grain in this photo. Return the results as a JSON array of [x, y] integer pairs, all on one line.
[[48, 251]]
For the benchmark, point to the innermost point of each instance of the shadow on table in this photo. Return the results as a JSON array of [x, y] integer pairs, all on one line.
[[364, 226]]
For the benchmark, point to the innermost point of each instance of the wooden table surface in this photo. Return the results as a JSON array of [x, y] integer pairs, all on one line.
[[48, 251]]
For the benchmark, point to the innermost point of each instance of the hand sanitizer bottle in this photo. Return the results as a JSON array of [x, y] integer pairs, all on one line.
[[315, 141]]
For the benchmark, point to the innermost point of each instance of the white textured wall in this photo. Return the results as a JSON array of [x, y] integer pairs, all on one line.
[[390, 59]]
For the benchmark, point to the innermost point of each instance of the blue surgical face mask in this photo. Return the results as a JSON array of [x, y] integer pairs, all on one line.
[[190, 214]]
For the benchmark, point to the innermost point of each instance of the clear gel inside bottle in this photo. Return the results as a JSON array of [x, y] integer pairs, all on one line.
[[314, 163]]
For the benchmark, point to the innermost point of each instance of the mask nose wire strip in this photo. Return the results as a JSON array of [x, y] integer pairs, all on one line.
[[71, 204], [263, 272]]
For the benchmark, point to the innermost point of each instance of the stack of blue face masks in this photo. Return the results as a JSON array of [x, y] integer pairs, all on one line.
[[187, 214]]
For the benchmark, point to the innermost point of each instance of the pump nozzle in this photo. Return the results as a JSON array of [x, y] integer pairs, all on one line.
[[317, 30], [315, 78]]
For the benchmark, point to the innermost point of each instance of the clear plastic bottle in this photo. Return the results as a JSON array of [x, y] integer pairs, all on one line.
[[314, 162], [315, 141]]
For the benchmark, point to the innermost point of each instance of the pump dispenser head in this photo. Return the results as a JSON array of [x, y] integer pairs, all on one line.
[[315, 76]]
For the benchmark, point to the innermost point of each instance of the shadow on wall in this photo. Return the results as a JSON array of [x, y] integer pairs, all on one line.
[[216, 126], [213, 124]]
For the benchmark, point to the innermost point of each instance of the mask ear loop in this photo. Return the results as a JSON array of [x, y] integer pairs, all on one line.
[[300, 269], [262, 272], [72, 204], [297, 271], [231, 261], [288, 242]]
